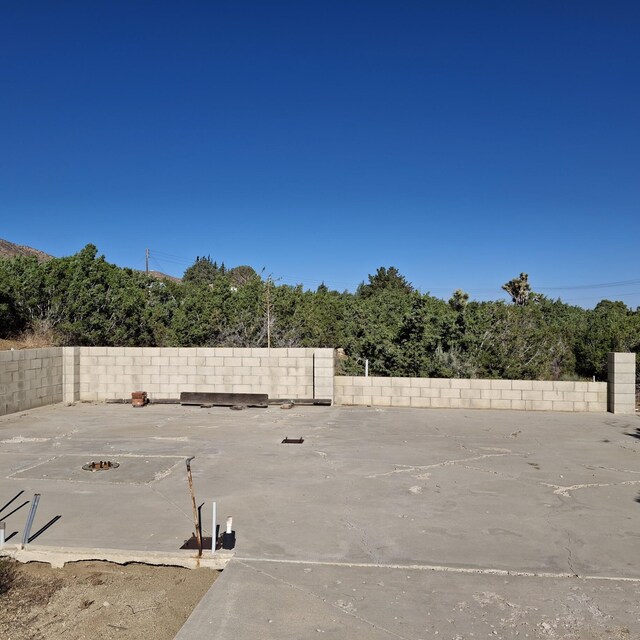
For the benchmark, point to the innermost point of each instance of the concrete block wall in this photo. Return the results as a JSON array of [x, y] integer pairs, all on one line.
[[30, 378], [621, 391], [114, 372], [529, 395]]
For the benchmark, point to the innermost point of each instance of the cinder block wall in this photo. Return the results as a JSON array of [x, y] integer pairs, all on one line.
[[30, 378], [530, 395], [114, 372], [621, 392]]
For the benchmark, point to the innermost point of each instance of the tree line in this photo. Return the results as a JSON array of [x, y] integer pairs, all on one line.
[[84, 300]]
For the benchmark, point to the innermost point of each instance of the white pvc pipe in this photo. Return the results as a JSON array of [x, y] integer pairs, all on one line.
[[1, 535], [229, 524], [213, 534], [366, 368]]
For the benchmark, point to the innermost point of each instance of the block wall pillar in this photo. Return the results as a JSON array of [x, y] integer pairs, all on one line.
[[70, 374], [621, 388]]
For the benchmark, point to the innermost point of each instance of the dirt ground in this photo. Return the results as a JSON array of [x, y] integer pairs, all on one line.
[[98, 600]]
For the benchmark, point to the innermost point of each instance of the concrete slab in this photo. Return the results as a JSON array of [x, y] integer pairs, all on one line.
[[275, 600], [465, 503]]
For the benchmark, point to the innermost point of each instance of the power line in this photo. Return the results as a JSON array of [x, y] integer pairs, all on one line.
[[602, 285]]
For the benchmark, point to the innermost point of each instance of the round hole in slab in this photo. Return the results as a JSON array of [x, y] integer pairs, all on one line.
[[101, 465]]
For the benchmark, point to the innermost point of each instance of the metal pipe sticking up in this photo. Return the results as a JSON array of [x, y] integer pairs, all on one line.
[[214, 528], [30, 518], [196, 518]]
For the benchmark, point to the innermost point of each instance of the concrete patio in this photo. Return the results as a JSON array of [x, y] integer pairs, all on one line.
[[384, 523]]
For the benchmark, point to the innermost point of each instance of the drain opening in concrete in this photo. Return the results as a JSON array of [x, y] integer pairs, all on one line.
[[102, 465], [293, 441]]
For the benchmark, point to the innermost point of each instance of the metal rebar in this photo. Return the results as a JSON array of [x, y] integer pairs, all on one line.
[[196, 519], [214, 537]]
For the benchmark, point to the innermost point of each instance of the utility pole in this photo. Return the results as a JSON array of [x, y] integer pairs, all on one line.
[[146, 255]]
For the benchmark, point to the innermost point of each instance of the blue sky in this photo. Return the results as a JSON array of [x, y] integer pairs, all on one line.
[[462, 142]]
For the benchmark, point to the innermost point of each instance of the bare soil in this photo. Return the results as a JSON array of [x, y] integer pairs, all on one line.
[[98, 600]]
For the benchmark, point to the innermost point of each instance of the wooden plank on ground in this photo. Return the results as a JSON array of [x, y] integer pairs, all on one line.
[[224, 399], [304, 402]]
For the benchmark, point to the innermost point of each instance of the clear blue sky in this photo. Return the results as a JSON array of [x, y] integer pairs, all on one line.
[[462, 142]]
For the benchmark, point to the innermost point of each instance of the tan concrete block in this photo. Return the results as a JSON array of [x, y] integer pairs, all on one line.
[[397, 401], [441, 383], [501, 404], [522, 385], [420, 402], [401, 382], [470, 393], [428, 392], [298, 352], [477, 383], [343, 400], [544, 385], [450, 393], [513, 394], [539, 405], [268, 361], [501, 385], [562, 405], [518, 405], [381, 401], [460, 383], [409, 392], [233, 361], [491, 394], [383, 382], [420, 382], [553, 396], [574, 396], [532, 395], [440, 403]]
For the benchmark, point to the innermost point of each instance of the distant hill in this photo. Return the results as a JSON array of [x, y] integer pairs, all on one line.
[[158, 275], [11, 250]]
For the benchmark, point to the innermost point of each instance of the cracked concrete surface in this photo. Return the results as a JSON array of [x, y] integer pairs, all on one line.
[[384, 523]]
